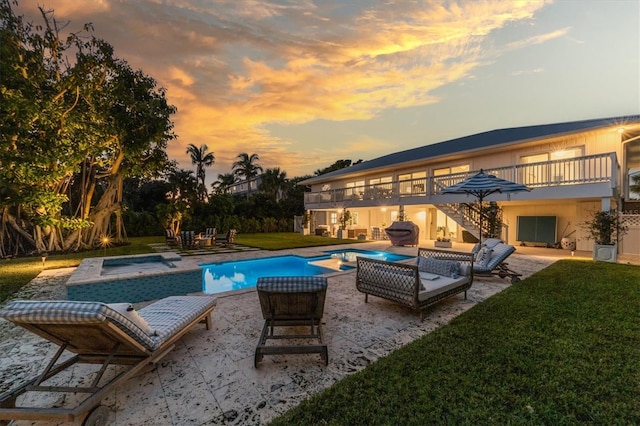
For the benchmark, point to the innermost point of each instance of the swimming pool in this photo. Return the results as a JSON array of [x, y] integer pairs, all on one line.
[[240, 274]]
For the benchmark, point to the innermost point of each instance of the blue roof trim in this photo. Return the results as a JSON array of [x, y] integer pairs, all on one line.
[[479, 140]]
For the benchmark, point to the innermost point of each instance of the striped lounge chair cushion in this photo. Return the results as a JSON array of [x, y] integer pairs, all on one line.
[[170, 315], [291, 284], [74, 312]]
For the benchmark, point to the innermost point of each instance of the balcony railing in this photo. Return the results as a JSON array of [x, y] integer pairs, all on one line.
[[600, 168]]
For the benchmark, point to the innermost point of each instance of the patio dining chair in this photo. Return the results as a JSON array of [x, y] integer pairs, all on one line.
[[188, 240], [210, 234], [227, 238], [171, 238]]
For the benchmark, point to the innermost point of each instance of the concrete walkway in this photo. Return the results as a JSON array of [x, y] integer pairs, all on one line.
[[209, 378]]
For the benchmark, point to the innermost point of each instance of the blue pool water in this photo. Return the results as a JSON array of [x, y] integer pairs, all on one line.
[[123, 284], [240, 274]]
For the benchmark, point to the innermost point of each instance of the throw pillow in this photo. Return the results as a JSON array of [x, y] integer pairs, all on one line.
[[446, 268], [485, 256], [127, 311]]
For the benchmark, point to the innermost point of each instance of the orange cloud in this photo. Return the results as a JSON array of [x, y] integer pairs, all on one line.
[[235, 66]]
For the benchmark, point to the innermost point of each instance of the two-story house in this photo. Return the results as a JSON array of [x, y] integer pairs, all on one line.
[[573, 169]]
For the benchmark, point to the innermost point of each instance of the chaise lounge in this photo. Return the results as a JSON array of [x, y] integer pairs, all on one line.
[[292, 302], [490, 260], [437, 274], [97, 333]]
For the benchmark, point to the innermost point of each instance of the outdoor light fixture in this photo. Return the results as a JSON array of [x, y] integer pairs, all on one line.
[[105, 242], [44, 257], [620, 130]]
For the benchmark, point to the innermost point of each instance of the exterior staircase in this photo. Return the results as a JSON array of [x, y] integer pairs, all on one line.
[[463, 215]]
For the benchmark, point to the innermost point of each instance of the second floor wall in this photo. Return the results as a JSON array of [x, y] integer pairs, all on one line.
[[590, 158]]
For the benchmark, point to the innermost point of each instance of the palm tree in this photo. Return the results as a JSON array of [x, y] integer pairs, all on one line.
[[201, 158], [225, 180], [244, 167], [274, 183]]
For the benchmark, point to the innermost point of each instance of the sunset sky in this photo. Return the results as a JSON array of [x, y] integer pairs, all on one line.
[[305, 83]]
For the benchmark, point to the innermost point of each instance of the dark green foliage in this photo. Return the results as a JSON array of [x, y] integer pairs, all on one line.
[[559, 348]]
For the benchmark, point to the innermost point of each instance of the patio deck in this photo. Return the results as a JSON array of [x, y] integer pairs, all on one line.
[[209, 377]]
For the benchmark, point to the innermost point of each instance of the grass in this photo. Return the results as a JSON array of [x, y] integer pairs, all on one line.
[[287, 240], [16, 273], [561, 348]]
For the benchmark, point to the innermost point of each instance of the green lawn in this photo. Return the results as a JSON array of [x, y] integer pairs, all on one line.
[[18, 272], [560, 348], [287, 240]]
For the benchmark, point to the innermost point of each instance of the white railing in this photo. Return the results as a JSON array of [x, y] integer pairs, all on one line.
[[600, 168]]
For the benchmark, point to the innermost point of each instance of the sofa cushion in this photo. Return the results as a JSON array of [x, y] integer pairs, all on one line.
[[446, 268], [442, 284]]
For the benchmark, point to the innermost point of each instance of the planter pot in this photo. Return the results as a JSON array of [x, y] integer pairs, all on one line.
[[568, 244], [340, 231], [305, 231], [443, 244], [605, 253]]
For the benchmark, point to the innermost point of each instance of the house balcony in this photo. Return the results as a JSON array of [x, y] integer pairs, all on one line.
[[592, 176]]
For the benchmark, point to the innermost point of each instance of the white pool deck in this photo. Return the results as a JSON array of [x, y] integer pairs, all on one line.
[[209, 378]]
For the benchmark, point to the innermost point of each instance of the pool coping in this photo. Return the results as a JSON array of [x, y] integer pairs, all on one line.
[[89, 271]]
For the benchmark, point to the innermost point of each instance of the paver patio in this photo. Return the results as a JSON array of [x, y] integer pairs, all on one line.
[[209, 377]]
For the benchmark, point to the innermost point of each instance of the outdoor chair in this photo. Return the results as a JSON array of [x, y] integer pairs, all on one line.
[[125, 342], [292, 302], [171, 238], [490, 259], [227, 238], [188, 240], [210, 233]]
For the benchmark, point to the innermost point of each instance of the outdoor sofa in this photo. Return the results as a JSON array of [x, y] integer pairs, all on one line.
[[109, 335], [436, 275]]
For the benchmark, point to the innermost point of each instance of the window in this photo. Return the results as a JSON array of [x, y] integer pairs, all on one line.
[[334, 218], [381, 187], [463, 168], [355, 189], [412, 183], [556, 167]]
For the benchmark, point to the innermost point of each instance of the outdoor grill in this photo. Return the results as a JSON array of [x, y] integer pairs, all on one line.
[[403, 233]]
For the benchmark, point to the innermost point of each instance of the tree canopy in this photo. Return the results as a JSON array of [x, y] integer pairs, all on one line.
[[75, 121]]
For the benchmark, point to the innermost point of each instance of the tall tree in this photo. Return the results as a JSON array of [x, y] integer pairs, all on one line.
[[245, 167], [274, 183], [201, 158], [75, 121], [225, 180]]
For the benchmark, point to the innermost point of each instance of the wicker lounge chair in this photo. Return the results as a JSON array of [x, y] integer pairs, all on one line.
[[97, 333], [490, 260], [292, 302]]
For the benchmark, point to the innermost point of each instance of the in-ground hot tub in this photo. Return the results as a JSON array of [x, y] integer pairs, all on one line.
[[134, 278]]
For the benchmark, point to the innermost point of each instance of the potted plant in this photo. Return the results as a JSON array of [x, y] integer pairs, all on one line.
[[305, 224], [443, 242], [344, 219], [605, 227]]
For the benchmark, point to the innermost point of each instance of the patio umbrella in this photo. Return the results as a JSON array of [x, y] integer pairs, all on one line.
[[482, 185]]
